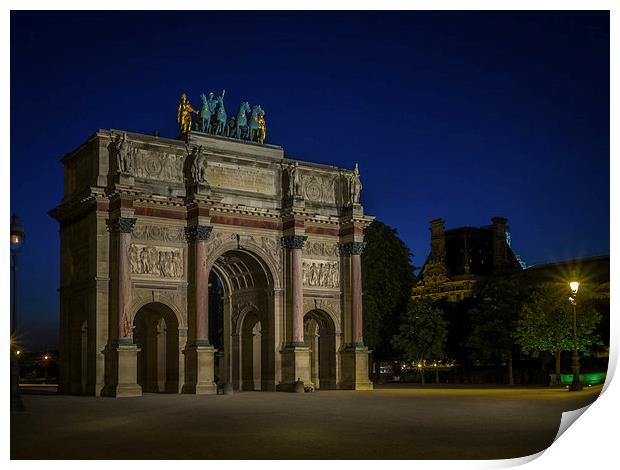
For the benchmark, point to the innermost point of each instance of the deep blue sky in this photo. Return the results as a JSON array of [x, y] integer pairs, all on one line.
[[457, 115]]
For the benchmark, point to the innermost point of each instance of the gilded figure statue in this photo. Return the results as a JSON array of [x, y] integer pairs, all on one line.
[[262, 127], [184, 115], [253, 125]]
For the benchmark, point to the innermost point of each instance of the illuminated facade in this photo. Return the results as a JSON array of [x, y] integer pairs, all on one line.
[[147, 223]]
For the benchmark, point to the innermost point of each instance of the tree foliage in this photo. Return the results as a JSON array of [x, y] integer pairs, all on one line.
[[546, 323], [422, 333], [493, 322], [387, 282]]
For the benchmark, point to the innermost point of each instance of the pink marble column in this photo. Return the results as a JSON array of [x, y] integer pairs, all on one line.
[[295, 243], [202, 292], [355, 249], [123, 226], [356, 300], [199, 234]]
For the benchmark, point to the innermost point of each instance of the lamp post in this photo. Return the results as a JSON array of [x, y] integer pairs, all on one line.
[[575, 386], [18, 236], [45, 362]]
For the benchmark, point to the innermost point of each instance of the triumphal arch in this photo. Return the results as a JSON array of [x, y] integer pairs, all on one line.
[[207, 262]]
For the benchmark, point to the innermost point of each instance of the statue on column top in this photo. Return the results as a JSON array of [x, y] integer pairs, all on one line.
[[355, 186], [122, 151], [199, 165], [294, 186]]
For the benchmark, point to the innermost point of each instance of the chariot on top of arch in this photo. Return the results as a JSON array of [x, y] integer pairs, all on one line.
[[248, 123]]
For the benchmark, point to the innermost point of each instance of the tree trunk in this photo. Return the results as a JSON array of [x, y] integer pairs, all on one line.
[[422, 372], [511, 379], [558, 379], [436, 375]]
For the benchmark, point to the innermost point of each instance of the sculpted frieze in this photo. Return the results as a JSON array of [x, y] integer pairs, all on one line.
[[321, 273], [158, 233], [215, 241], [315, 248], [157, 166], [318, 188], [175, 300], [156, 261], [331, 306], [269, 245]]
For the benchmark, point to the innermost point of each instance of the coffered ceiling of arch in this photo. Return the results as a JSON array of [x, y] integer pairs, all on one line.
[[241, 270]]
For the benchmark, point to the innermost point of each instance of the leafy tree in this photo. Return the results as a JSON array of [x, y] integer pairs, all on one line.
[[546, 323], [422, 334], [493, 323], [459, 320], [387, 282]]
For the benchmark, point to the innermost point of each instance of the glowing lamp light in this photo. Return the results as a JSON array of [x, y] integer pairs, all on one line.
[[46, 357], [574, 286], [17, 233]]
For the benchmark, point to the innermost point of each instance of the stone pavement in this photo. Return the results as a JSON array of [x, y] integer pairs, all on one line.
[[388, 423]]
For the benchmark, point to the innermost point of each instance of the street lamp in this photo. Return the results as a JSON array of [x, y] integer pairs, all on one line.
[[18, 237], [45, 361], [575, 386]]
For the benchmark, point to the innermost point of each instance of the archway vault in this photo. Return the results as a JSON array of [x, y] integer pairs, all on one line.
[[321, 338], [156, 332], [247, 360], [253, 256]]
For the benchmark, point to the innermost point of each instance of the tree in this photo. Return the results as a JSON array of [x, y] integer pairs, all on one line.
[[493, 323], [422, 333], [387, 282], [546, 323]]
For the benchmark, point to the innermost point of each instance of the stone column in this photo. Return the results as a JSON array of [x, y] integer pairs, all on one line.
[[357, 336], [294, 243], [295, 356], [199, 354], [200, 234], [124, 226], [354, 360], [122, 362]]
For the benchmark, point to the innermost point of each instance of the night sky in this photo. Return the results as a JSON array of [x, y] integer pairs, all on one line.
[[463, 116]]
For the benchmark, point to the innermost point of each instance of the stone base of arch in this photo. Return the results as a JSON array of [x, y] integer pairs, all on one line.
[[199, 370], [295, 366], [354, 370], [121, 371]]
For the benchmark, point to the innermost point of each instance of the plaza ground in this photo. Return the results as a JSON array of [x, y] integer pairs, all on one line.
[[387, 423]]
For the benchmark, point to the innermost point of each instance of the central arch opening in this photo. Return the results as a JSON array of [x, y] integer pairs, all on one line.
[[240, 321], [156, 332]]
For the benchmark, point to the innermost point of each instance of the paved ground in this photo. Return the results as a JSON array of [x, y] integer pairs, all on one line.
[[388, 423]]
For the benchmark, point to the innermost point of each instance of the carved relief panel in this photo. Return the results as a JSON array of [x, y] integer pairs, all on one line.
[[156, 261], [321, 273], [158, 233], [157, 166], [317, 248], [318, 188]]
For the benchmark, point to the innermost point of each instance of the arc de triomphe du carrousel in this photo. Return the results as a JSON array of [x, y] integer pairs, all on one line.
[[207, 261]]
